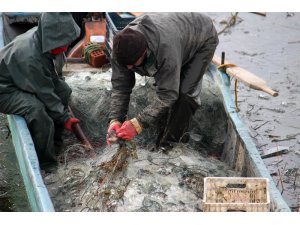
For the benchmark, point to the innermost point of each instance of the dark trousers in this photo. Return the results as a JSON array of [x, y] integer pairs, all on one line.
[[174, 125], [43, 129]]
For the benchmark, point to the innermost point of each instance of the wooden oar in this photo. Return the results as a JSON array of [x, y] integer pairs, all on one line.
[[245, 76], [81, 136]]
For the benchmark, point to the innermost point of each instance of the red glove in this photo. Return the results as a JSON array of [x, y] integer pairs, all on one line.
[[70, 122], [111, 132], [127, 131]]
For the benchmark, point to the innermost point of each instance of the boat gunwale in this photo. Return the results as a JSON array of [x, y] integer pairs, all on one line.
[[37, 193], [223, 82], [40, 199]]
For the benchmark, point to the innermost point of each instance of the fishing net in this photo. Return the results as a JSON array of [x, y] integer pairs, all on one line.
[[126, 179], [135, 176], [90, 102]]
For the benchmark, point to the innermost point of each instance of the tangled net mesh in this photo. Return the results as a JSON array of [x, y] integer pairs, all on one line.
[[129, 177]]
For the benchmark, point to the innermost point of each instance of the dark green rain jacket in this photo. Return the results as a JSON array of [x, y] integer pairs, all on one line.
[[173, 39], [26, 63]]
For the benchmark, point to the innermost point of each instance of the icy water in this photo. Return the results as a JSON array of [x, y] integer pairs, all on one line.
[[269, 47], [12, 190]]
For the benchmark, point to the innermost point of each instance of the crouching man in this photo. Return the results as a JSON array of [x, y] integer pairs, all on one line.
[[30, 85], [175, 49]]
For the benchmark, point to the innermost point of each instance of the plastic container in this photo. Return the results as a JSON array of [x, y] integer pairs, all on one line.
[[241, 194], [114, 24]]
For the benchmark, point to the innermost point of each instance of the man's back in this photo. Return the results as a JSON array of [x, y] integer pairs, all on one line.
[[180, 34]]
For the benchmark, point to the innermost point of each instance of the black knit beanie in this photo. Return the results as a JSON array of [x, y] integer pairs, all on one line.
[[128, 46]]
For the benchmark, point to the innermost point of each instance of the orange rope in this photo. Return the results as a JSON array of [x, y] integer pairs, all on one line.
[[224, 67]]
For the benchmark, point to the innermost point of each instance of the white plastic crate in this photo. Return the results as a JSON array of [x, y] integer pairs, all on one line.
[[225, 194]]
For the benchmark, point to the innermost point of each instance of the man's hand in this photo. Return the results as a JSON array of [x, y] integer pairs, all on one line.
[[127, 131], [113, 127], [70, 122]]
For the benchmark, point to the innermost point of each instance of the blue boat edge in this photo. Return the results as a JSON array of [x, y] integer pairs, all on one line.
[[260, 170], [38, 195]]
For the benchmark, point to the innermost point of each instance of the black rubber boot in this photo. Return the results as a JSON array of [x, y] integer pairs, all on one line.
[[179, 121]]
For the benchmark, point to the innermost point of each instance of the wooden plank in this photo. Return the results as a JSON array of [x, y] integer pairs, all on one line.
[[72, 67], [260, 13], [275, 151]]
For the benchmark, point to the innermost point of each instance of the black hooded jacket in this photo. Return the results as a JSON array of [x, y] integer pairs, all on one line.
[[173, 39], [26, 63]]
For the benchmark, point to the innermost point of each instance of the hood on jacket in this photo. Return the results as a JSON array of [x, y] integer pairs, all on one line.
[[56, 29]]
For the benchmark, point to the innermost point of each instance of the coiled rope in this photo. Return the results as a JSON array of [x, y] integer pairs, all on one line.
[[88, 49], [224, 66]]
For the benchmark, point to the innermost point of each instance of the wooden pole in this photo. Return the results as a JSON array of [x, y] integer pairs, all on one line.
[[244, 76], [80, 135]]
